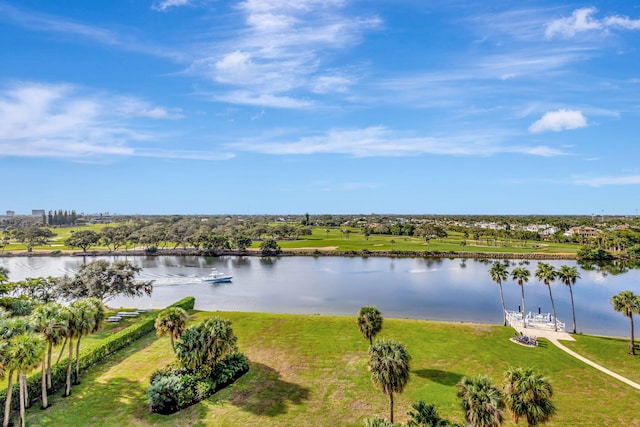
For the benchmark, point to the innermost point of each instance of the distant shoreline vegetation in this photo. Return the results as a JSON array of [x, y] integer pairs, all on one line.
[[423, 236]]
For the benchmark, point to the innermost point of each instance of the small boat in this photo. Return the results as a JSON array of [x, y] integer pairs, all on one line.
[[216, 277]]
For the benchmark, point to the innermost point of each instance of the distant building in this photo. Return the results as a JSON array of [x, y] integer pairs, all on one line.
[[584, 232], [10, 214], [37, 212]]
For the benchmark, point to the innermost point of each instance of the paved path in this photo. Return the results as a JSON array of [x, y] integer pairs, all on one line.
[[554, 337]]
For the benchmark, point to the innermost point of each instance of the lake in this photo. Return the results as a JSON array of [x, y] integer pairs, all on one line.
[[437, 289]]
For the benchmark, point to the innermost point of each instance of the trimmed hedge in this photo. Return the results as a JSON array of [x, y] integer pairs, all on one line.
[[93, 354], [174, 388]]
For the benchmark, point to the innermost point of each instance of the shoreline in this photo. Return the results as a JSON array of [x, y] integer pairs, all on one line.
[[296, 252]]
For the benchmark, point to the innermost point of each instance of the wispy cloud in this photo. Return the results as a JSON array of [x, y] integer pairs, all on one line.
[[54, 24], [65, 121], [168, 4], [600, 181], [382, 142], [276, 58], [559, 120], [583, 20]]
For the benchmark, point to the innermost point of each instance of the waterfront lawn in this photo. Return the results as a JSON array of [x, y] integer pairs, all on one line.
[[610, 352], [311, 370]]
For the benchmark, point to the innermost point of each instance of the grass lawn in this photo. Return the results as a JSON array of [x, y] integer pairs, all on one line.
[[309, 370], [610, 352]]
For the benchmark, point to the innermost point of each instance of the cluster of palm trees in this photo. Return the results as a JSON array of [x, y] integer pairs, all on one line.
[[525, 393], [26, 342], [546, 273]]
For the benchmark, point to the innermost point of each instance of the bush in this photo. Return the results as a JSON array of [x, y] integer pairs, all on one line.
[[173, 387]]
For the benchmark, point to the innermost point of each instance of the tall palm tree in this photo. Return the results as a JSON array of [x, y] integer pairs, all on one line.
[[86, 311], [569, 276], [369, 322], [10, 365], [28, 352], [499, 274], [528, 394], [389, 367], [71, 316], [521, 275], [172, 322], [547, 274], [627, 303], [48, 320], [481, 401]]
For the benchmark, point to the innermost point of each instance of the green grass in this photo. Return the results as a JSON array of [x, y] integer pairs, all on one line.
[[354, 241], [610, 352], [311, 370]]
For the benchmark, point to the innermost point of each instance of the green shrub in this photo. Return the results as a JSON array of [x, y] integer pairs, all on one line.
[[167, 395]]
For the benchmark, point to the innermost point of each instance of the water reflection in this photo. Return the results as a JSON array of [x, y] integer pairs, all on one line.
[[442, 289]]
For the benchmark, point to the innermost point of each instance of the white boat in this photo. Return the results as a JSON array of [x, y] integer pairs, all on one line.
[[216, 277]]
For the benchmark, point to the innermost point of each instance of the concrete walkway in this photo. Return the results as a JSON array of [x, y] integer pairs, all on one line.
[[554, 338]]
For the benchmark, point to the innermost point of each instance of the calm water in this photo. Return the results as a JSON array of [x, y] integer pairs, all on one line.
[[453, 290]]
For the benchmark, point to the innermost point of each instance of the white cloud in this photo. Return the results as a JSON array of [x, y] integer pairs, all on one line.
[[65, 121], [607, 180], [166, 4], [582, 20], [278, 53], [379, 141], [559, 120]]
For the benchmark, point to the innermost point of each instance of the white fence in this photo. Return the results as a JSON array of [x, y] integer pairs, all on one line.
[[536, 321]]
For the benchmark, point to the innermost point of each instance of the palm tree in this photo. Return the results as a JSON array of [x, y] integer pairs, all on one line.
[[203, 345], [389, 367], [48, 320], [481, 401], [528, 394], [87, 321], [521, 275], [172, 322], [10, 364], [627, 303], [71, 316], [499, 273], [569, 276], [369, 322], [425, 415], [28, 351], [376, 422], [547, 274]]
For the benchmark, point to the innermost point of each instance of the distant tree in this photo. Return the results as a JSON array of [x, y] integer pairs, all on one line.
[[521, 275], [499, 274], [215, 242], [528, 394], [33, 236], [481, 401], [547, 274], [369, 322], [270, 247], [389, 367], [115, 237], [83, 239], [172, 322], [4, 274], [569, 276], [242, 242], [104, 281], [627, 303]]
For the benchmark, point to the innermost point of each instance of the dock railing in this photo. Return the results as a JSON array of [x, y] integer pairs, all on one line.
[[537, 321]]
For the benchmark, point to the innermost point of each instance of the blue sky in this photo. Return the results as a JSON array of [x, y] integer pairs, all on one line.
[[320, 106]]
